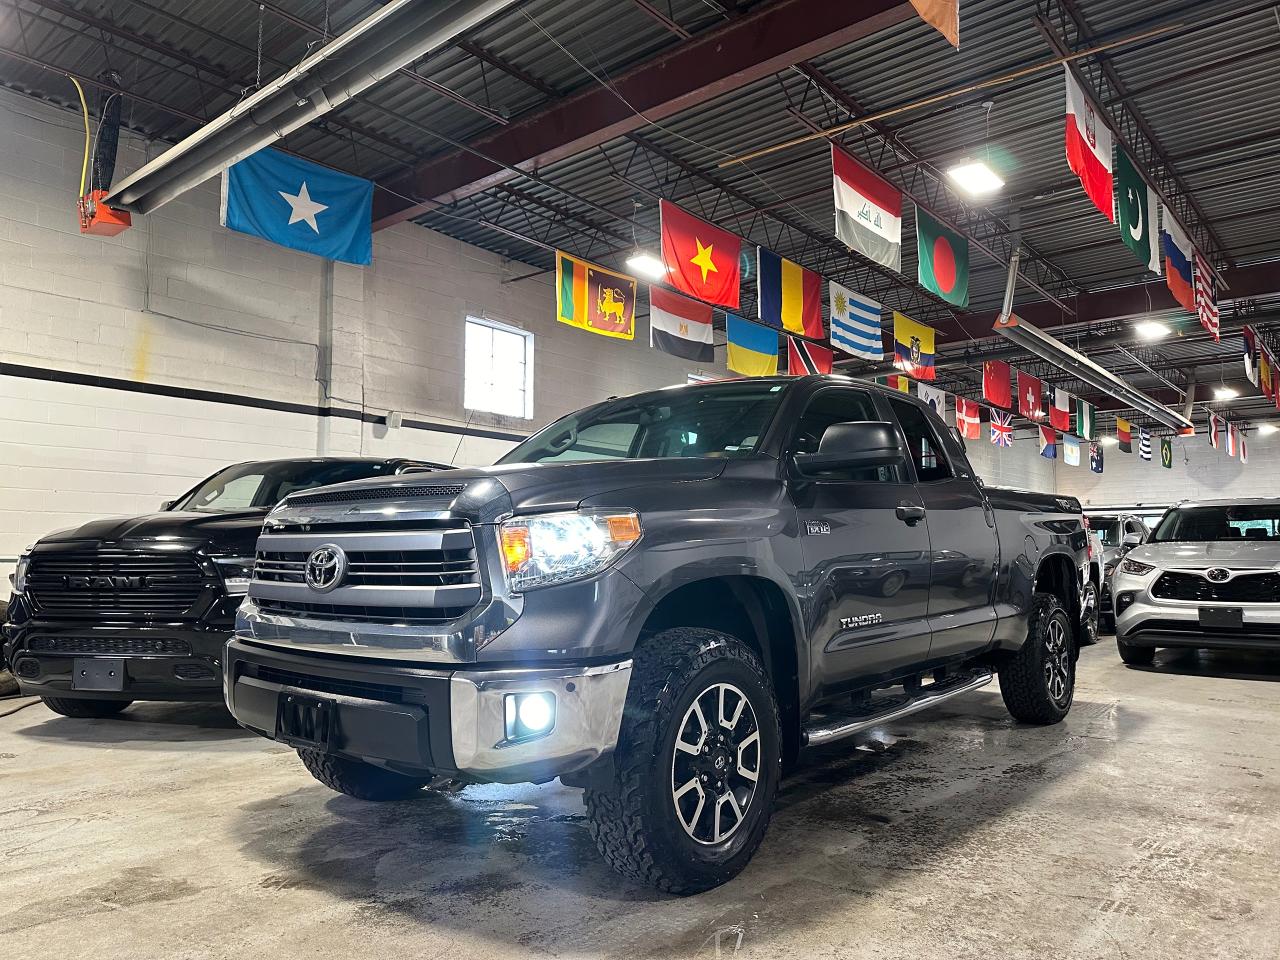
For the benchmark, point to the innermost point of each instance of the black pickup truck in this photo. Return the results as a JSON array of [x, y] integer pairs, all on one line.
[[661, 599], [139, 608]]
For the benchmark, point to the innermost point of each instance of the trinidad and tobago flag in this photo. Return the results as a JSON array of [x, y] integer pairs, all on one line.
[[804, 358]]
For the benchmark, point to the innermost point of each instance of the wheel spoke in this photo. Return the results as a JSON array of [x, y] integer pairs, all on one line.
[[690, 824], [730, 723], [746, 744], [693, 748], [726, 798]]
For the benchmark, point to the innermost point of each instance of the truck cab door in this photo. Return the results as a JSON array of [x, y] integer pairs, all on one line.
[[865, 550], [963, 543]]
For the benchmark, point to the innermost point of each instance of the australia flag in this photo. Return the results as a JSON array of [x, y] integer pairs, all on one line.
[[300, 204]]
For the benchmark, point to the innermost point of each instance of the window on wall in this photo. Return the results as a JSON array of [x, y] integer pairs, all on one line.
[[498, 369]]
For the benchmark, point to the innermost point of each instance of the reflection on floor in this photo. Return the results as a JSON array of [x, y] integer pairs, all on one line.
[[1144, 826]]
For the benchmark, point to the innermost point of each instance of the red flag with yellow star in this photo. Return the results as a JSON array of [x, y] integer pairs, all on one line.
[[701, 260]]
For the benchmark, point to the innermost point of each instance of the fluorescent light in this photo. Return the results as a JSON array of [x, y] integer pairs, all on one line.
[[1151, 330], [647, 265], [1109, 441], [975, 177], [1225, 393], [1266, 429]]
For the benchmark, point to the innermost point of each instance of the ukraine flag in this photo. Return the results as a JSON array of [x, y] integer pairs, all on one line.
[[753, 349]]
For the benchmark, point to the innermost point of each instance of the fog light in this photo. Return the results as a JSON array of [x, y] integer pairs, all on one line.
[[529, 715], [1124, 601], [28, 668]]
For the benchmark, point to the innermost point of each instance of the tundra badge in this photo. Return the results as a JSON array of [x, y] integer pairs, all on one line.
[[866, 620]]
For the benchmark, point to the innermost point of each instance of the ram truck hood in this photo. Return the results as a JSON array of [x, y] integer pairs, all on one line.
[[1233, 554], [219, 528]]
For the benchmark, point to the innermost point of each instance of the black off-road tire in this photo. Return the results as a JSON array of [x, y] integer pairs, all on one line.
[[1025, 682], [358, 779], [633, 818], [85, 709], [1135, 656]]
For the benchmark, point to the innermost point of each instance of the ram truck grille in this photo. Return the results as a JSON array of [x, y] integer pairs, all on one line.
[[115, 585], [1242, 588]]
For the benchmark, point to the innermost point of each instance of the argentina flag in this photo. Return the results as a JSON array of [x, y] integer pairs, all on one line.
[[300, 204], [855, 324]]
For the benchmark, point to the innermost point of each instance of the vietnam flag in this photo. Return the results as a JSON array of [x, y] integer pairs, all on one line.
[[1089, 148], [701, 260], [995, 384], [1030, 396]]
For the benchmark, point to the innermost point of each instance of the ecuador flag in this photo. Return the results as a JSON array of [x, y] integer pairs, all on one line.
[[753, 349], [790, 297], [595, 299], [913, 347]]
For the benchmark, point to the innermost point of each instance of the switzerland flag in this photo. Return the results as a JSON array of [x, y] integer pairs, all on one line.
[[701, 260], [1030, 396]]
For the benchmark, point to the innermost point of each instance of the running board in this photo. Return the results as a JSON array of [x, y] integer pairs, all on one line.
[[837, 728]]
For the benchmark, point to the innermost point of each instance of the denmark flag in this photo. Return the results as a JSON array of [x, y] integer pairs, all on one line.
[[1089, 148], [968, 418]]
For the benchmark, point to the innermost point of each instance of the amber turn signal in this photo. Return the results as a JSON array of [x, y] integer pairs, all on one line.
[[516, 547]]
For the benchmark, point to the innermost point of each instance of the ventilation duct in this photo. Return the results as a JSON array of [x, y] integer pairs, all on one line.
[[392, 37]]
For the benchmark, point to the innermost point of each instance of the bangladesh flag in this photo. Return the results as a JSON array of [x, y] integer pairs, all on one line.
[[944, 260]]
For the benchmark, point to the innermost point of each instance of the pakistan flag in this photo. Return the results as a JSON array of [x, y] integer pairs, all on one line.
[[1137, 212]]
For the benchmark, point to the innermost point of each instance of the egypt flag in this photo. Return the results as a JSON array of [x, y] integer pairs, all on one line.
[[804, 358], [680, 326], [1049, 443], [1086, 420], [868, 211], [1060, 412], [1030, 396], [943, 258], [995, 383], [1089, 148], [968, 418], [1249, 336], [1070, 451], [1124, 435], [700, 260], [595, 299], [913, 347], [790, 297], [1177, 261]]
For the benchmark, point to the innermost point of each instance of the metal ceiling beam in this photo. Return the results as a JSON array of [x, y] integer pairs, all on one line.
[[713, 63]]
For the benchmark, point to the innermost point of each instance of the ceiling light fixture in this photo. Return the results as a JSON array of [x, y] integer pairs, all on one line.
[[1225, 393], [1151, 330], [1109, 441], [647, 265], [975, 177], [1266, 429]]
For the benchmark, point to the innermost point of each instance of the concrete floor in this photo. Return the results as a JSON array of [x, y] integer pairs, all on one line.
[[1147, 825]]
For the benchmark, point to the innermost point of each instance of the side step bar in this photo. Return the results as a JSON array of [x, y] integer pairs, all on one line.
[[837, 728]]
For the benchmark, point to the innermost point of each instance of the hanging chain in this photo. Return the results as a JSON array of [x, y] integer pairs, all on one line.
[[257, 83]]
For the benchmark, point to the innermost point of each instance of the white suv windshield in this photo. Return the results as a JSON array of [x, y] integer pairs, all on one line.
[[1232, 522]]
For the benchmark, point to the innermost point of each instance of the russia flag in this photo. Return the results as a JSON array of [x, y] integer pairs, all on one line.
[[1177, 260]]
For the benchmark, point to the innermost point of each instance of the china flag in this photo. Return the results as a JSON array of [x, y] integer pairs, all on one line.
[[995, 384], [701, 260]]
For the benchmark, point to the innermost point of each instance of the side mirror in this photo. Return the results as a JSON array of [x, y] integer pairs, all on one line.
[[1131, 540], [853, 445], [167, 505]]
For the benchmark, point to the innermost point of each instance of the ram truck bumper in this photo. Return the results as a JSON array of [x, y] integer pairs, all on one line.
[[424, 720]]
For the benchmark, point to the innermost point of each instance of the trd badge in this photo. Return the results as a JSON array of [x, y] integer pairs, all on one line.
[[816, 528]]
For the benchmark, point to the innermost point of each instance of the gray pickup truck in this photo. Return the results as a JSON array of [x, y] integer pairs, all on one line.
[[661, 599]]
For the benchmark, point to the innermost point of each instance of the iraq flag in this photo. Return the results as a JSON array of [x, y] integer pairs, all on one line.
[[1138, 212], [300, 204]]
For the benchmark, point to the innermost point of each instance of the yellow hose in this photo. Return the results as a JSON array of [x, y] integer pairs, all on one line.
[[84, 167]]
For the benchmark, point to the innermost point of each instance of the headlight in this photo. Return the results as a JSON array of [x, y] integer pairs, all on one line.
[[19, 576], [1109, 568], [1136, 568], [236, 573], [554, 548]]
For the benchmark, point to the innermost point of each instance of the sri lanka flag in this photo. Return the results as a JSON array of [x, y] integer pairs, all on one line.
[[592, 298], [1048, 443], [913, 347], [1177, 261], [790, 297], [753, 349]]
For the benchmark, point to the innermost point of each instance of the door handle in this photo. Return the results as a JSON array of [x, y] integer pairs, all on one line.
[[910, 514]]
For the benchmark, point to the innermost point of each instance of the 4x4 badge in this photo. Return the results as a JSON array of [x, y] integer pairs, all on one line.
[[816, 528]]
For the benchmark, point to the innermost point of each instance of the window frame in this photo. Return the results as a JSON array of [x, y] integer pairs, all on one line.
[[944, 453], [500, 327], [902, 473]]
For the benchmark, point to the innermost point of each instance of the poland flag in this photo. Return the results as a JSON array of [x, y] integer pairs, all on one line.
[[1089, 148]]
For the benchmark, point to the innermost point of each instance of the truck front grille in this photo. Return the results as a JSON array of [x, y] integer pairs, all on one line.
[[387, 568], [116, 584], [1243, 588], [349, 613], [112, 646]]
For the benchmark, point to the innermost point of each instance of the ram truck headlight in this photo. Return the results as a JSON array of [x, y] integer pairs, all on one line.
[[18, 579], [1136, 567], [551, 548], [236, 574]]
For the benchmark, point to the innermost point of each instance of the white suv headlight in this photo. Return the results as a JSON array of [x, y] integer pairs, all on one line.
[[553, 548]]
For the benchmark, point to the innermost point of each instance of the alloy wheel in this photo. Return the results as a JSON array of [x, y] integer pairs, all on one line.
[[715, 766], [1057, 662]]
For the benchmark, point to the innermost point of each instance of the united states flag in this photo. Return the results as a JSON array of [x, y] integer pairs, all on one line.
[[1206, 297], [1001, 428]]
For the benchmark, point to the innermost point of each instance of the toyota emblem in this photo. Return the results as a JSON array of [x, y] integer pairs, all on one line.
[[1219, 575], [326, 566]]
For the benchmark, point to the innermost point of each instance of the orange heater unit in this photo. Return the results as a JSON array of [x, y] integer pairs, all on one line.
[[99, 219]]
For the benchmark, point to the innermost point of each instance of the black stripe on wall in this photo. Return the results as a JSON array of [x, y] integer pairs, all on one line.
[[238, 400]]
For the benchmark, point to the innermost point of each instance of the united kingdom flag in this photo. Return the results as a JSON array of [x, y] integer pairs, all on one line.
[[1001, 428]]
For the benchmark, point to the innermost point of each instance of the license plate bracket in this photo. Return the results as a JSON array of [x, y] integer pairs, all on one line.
[[1222, 618], [306, 721], [97, 673]]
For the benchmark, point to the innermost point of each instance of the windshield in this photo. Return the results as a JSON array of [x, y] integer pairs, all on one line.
[[1231, 522], [249, 486], [1107, 529], [706, 420]]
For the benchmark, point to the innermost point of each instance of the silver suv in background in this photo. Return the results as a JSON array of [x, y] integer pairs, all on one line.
[[1208, 577], [1119, 532]]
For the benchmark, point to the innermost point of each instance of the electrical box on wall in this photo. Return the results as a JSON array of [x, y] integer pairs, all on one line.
[[100, 220]]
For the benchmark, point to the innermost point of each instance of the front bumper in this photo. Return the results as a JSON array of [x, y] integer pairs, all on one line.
[[175, 662], [1148, 621], [433, 721]]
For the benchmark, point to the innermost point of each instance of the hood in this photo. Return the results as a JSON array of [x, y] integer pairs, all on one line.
[[218, 529], [1233, 554], [542, 487]]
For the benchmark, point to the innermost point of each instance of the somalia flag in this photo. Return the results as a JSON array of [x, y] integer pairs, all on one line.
[[300, 204]]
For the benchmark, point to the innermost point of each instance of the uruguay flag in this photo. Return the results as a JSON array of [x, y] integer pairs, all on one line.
[[300, 204], [1177, 260]]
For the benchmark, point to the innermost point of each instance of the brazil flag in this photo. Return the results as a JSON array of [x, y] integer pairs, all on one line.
[[944, 260], [1166, 454]]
